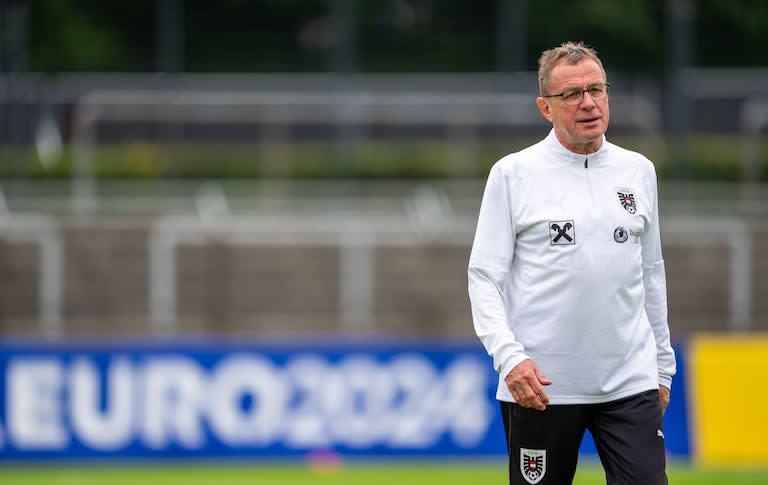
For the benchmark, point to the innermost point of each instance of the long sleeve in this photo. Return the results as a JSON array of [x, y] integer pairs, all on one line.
[[654, 281], [489, 265]]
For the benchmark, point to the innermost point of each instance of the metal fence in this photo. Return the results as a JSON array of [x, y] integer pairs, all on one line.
[[76, 235]]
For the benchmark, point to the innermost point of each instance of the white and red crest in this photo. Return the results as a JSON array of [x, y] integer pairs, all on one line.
[[533, 464], [627, 199]]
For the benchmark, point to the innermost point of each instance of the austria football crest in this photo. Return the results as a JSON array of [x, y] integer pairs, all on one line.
[[627, 199], [533, 464]]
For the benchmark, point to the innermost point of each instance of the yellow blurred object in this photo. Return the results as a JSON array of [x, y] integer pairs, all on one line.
[[729, 399]]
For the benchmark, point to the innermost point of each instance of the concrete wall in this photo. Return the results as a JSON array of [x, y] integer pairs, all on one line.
[[419, 290]]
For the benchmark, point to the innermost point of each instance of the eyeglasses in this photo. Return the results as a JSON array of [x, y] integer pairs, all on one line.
[[572, 97]]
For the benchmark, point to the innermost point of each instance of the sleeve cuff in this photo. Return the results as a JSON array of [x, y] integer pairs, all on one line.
[[665, 381], [511, 363]]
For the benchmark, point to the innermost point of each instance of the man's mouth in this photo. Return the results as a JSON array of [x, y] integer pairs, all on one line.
[[589, 120]]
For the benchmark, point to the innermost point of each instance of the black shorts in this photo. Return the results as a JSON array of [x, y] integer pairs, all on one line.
[[544, 445]]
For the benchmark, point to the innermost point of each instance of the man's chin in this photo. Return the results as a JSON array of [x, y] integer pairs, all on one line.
[[591, 134]]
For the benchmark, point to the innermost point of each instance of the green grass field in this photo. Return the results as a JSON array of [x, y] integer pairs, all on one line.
[[356, 474]]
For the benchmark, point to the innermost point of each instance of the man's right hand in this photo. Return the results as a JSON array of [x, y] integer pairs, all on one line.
[[526, 383]]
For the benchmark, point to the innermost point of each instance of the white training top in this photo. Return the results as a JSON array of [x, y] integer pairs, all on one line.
[[566, 269]]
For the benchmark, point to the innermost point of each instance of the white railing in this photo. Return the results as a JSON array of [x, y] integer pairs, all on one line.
[[357, 238], [42, 231], [733, 233]]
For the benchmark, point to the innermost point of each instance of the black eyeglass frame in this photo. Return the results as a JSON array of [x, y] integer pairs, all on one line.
[[560, 95]]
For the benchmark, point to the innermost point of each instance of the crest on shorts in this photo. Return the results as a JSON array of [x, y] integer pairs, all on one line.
[[533, 464], [627, 199]]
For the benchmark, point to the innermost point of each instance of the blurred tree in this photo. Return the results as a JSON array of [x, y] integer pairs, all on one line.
[[91, 35], [732, 33], [428, 35], [628, 35], [392, 35], [263, 36]]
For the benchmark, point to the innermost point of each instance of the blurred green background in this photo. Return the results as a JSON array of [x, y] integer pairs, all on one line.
[[325, 160], [378, 474], [699, 64]]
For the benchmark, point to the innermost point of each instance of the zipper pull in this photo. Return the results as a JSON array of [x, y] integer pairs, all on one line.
[[586, 162]]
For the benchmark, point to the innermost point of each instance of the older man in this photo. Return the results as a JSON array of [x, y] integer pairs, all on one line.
[[568, 289]]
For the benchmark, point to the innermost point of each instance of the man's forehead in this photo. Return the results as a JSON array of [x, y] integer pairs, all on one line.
[[586, 70]]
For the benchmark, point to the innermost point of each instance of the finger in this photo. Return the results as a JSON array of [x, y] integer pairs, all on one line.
[[544, 398], [518, 395], [543, 380], [525, 383], [537, 390], [533, 399], [664, 397], [538, 396], [538, 404], [517, 392]]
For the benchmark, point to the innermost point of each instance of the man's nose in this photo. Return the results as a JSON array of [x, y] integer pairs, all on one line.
[[586, 101]]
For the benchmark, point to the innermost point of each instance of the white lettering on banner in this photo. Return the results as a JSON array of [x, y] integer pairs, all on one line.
[[311, 377], [236, 379], [174, 397], [412, 412], [358, 401], [245, 400], [34, 404], [361, 402], [112, 428], [465, 415]]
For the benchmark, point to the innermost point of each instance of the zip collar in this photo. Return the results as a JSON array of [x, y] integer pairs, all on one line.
[[558, 150]]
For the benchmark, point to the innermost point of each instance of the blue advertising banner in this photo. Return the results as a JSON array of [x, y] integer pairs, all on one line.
[[185, 399], [189, 399]]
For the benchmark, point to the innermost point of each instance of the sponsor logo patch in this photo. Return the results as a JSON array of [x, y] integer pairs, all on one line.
[[533, 464], [562, 233], [620, 235], [627, 199]]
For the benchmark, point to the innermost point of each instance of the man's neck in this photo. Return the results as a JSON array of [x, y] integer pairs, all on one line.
[[582, 148]]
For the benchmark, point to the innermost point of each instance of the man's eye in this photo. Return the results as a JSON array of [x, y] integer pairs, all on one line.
[[572, 94], [596, 90]]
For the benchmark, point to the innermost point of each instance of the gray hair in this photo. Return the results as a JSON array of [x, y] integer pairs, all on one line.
[[572, 52]]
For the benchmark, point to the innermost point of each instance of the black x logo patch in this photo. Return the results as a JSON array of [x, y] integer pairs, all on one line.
[[562, 233]]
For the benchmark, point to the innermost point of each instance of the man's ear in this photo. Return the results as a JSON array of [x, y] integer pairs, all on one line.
[[543, 106]]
